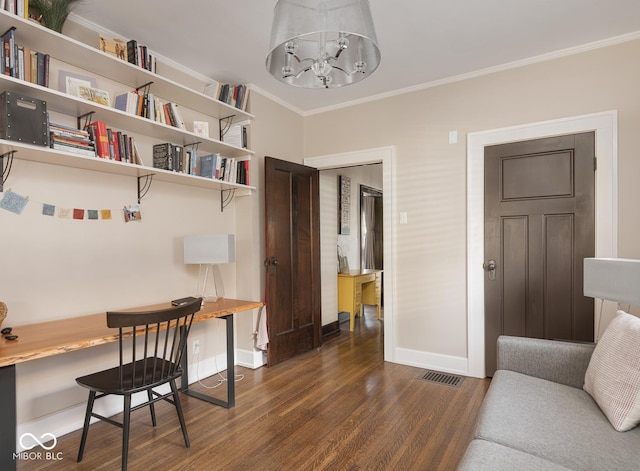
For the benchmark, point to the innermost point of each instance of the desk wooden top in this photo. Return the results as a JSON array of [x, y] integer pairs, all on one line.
[[50, 338]]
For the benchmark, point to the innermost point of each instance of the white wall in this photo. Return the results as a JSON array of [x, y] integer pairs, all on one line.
[[431, 259], [54, 268]]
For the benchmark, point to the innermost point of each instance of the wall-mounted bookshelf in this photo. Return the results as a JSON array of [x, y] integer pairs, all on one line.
[[91, 60]]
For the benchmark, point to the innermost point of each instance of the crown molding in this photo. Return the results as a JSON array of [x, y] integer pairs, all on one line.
[[482, 72]]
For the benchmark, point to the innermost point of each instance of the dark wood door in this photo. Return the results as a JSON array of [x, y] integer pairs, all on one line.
[[292, 258], [539, 226]]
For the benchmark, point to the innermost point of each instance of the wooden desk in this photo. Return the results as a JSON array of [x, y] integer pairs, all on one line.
[[356, 288], [46, 339]]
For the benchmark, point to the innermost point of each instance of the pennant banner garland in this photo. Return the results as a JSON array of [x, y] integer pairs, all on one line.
[[15, 203]]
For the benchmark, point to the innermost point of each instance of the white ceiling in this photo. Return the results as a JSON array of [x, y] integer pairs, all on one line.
[[421, 41]]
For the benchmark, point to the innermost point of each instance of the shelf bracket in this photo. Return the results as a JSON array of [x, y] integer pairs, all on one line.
[[6, 169], [226, 196], [224, 124], [87, 120], [145, 87], [143, 188]]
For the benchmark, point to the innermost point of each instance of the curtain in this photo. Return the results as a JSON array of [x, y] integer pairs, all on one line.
[[368, 231]]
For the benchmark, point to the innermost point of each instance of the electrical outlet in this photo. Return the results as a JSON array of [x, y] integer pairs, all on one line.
[[196, 347]]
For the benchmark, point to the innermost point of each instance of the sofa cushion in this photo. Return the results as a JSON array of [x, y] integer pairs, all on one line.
[[556, 422], [613, 374], [482, 455]]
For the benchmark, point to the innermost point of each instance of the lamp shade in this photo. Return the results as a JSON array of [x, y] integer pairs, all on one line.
[[613, 279], [209, 249], [322, 43]]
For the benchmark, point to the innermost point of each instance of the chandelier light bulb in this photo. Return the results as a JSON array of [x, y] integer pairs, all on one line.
[[360, 67], [291, 47], [342, 42], [321, 68]]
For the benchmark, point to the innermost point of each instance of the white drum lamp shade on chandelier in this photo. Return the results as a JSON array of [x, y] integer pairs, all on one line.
[[322, 43]]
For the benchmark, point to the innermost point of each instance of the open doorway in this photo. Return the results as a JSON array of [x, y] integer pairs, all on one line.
[[386, 157]]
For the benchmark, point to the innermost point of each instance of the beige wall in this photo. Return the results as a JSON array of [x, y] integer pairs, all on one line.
[[430, 173], [54, 268]]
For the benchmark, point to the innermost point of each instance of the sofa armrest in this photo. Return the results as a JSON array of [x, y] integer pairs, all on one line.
[[562, 362]]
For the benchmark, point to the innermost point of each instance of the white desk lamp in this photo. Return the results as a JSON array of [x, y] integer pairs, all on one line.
[[209, 251], [612, 279]]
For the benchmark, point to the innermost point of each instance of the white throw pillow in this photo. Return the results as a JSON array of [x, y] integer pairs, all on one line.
[[613, 375]]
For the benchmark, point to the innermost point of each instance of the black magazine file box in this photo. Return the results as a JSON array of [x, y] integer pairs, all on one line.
[[23, 119]]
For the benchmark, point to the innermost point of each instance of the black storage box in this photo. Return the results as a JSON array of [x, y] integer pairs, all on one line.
[[23, 119]]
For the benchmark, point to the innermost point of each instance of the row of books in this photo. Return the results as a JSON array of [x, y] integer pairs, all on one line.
[[234, 95], [22, 62], [128, 51], [139, 55], [149, 106], [69, 139], [228, 169], [112, 144], [17, 7], [106, 143], [175, 158]]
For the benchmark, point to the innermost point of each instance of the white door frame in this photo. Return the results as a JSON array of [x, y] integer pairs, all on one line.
[[605, 125], [386, 156]]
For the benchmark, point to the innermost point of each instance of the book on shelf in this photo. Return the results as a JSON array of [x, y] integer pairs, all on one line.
[[227, 169], [236, 135], [129, 51], [208, 165], [234, 95], [112, 144], [98, 132], [168, 156], [17, 7], [21, 62], [73, 140], [127, 102]]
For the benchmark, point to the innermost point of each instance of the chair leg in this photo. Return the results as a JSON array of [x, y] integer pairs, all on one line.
[[152, 407], [87, 419], [176, 401], [125, 430]]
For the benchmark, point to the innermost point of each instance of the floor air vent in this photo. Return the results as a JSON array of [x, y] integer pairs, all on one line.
[[443, 378]]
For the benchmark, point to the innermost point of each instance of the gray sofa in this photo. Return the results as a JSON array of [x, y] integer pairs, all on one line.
[[536, 416]]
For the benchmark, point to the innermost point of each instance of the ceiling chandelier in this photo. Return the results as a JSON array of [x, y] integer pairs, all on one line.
[[322, 43]]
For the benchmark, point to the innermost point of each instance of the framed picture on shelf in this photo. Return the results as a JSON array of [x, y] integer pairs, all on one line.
[[201, 128], [94, 94], [68, 82]]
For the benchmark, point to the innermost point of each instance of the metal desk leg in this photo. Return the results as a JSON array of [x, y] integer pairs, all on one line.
[[231, 386], [8, 417]]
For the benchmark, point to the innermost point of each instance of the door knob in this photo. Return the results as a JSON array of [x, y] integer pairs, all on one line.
[[490, 266], [271, 263]]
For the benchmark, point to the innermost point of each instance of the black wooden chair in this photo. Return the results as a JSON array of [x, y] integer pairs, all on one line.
[[150, 359]]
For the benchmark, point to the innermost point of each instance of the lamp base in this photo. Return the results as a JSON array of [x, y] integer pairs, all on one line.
[[210, 287]]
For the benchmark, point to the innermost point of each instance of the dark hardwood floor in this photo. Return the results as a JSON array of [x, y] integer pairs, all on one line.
[[340, 407]]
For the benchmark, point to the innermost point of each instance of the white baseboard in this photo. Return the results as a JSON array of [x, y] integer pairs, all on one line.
[[433, 361], [253, 359]]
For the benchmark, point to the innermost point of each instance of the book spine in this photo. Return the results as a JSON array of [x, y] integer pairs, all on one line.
[[101, 139], [132, 51]]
